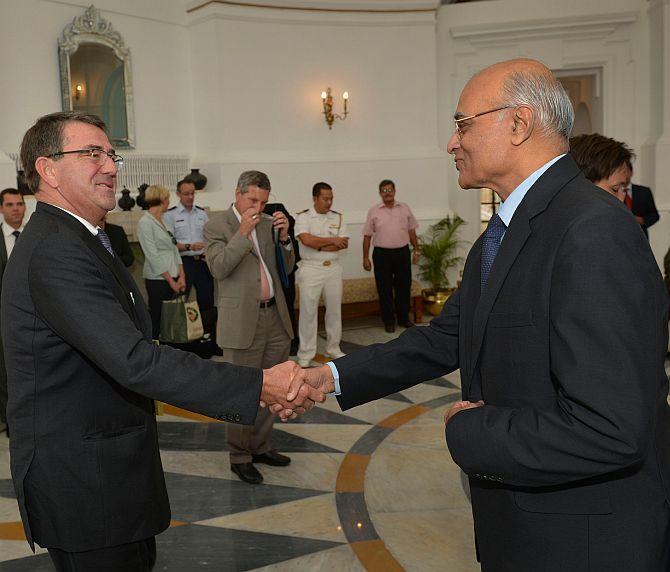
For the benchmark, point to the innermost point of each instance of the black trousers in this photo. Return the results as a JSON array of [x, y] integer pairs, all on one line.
[[132, 557], [393, 275], [157, 291], [198, 275]]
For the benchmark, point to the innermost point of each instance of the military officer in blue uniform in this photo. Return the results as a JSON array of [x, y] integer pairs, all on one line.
[[186, 221]]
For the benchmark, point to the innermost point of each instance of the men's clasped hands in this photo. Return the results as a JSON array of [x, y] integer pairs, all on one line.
[[290, 390]]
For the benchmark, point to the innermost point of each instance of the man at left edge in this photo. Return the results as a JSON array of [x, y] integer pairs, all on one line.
[[84, 448]]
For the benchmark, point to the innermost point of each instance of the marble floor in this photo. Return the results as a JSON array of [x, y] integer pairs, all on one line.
[[370, 489]]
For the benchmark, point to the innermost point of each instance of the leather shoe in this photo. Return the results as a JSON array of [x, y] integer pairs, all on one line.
[[390, 328], [272, 458], [407, 324], [247, 473]]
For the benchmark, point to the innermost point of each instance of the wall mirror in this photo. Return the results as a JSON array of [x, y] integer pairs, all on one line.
[[95, 75]]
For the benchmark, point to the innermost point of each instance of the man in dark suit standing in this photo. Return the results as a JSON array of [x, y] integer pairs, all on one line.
[[82, 369], [559, 329], [13, 209]]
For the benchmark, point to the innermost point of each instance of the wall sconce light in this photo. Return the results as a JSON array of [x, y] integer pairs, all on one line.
[[78, 90], [327, 99]]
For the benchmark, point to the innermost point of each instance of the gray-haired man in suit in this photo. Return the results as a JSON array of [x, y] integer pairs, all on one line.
[[254, 325], [83, 372]]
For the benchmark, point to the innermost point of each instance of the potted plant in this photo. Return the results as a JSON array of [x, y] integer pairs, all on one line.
[[438, 254]]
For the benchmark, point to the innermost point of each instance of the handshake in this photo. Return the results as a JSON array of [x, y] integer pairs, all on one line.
[[289, 391]]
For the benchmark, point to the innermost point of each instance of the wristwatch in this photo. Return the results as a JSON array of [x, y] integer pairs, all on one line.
[[187, 247]]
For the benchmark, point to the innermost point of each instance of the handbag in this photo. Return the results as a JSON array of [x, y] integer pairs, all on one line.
[[181, 321]]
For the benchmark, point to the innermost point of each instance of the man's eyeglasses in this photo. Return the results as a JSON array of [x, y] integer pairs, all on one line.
[[98, 156], [457, 122], [387, 191]]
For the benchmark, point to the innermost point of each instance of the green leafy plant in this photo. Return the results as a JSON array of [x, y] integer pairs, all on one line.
[[438, 250]]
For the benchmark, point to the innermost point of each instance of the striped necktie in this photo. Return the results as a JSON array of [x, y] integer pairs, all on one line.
[[490, 245], [104, 239]]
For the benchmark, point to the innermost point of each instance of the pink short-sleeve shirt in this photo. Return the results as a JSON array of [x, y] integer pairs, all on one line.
[[389, 226]]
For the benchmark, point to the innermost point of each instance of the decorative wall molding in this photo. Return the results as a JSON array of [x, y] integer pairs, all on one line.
[[315, 13], [498, 33], [339, 6]]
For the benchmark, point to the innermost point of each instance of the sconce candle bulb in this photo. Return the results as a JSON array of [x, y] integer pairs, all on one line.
[[327, 98]]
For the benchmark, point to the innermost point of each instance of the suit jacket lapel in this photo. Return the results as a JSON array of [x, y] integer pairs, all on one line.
[[515, 237], [121, 276], [3, 250], [234, 224], [537, 199], [123, 279], [470, 292]]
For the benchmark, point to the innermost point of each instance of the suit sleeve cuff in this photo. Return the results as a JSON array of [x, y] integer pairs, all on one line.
[[336, 377]]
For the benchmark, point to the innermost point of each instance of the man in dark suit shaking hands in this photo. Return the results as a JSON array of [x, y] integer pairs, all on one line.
[[82, 370], [559, 331]]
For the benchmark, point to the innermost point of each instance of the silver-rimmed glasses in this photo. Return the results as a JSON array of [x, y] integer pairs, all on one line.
[[98, 156], [458, 121]]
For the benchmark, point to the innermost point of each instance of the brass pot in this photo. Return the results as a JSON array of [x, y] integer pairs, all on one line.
[[434, 299]]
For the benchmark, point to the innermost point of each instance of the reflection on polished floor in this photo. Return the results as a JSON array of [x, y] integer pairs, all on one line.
[[370, 489]]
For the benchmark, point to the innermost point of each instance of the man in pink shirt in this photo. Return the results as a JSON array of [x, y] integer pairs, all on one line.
[[391, 226]]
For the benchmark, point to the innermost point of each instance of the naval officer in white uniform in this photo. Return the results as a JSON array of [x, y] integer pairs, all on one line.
[[322, 234]]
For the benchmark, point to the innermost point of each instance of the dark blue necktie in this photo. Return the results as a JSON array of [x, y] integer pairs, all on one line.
[[16, 234], [281, 267], [104, 239], [490, 246]]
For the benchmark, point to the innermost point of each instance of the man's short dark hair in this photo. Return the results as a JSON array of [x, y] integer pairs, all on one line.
[[316, 189], [253, 179], [599, 156], [386, 183], [46, 137], [8, 191], [184, 182]]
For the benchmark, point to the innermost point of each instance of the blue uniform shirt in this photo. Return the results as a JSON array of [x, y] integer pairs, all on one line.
[[186, 226]]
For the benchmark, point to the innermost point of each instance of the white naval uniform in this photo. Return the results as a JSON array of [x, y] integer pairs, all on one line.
[[319, 272]]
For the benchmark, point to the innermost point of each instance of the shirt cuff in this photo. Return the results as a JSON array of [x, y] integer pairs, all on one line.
[[336, 377]]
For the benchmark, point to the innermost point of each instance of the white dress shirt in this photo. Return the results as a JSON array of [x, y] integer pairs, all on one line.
[[10, 239], [254, 239]]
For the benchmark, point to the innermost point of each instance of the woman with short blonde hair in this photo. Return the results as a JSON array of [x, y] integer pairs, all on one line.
[[163, 270]]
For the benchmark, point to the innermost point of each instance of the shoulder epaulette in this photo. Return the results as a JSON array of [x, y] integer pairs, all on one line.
[[197, 207], [172, 208], [302, 212], [332, 211]]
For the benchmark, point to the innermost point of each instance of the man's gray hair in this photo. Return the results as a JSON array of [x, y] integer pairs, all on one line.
[[254, 179], [545, 95]]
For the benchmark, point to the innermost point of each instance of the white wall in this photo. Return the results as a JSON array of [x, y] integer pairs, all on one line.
[[613, 35], [258, 75], [153, 30], [235, 88]]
